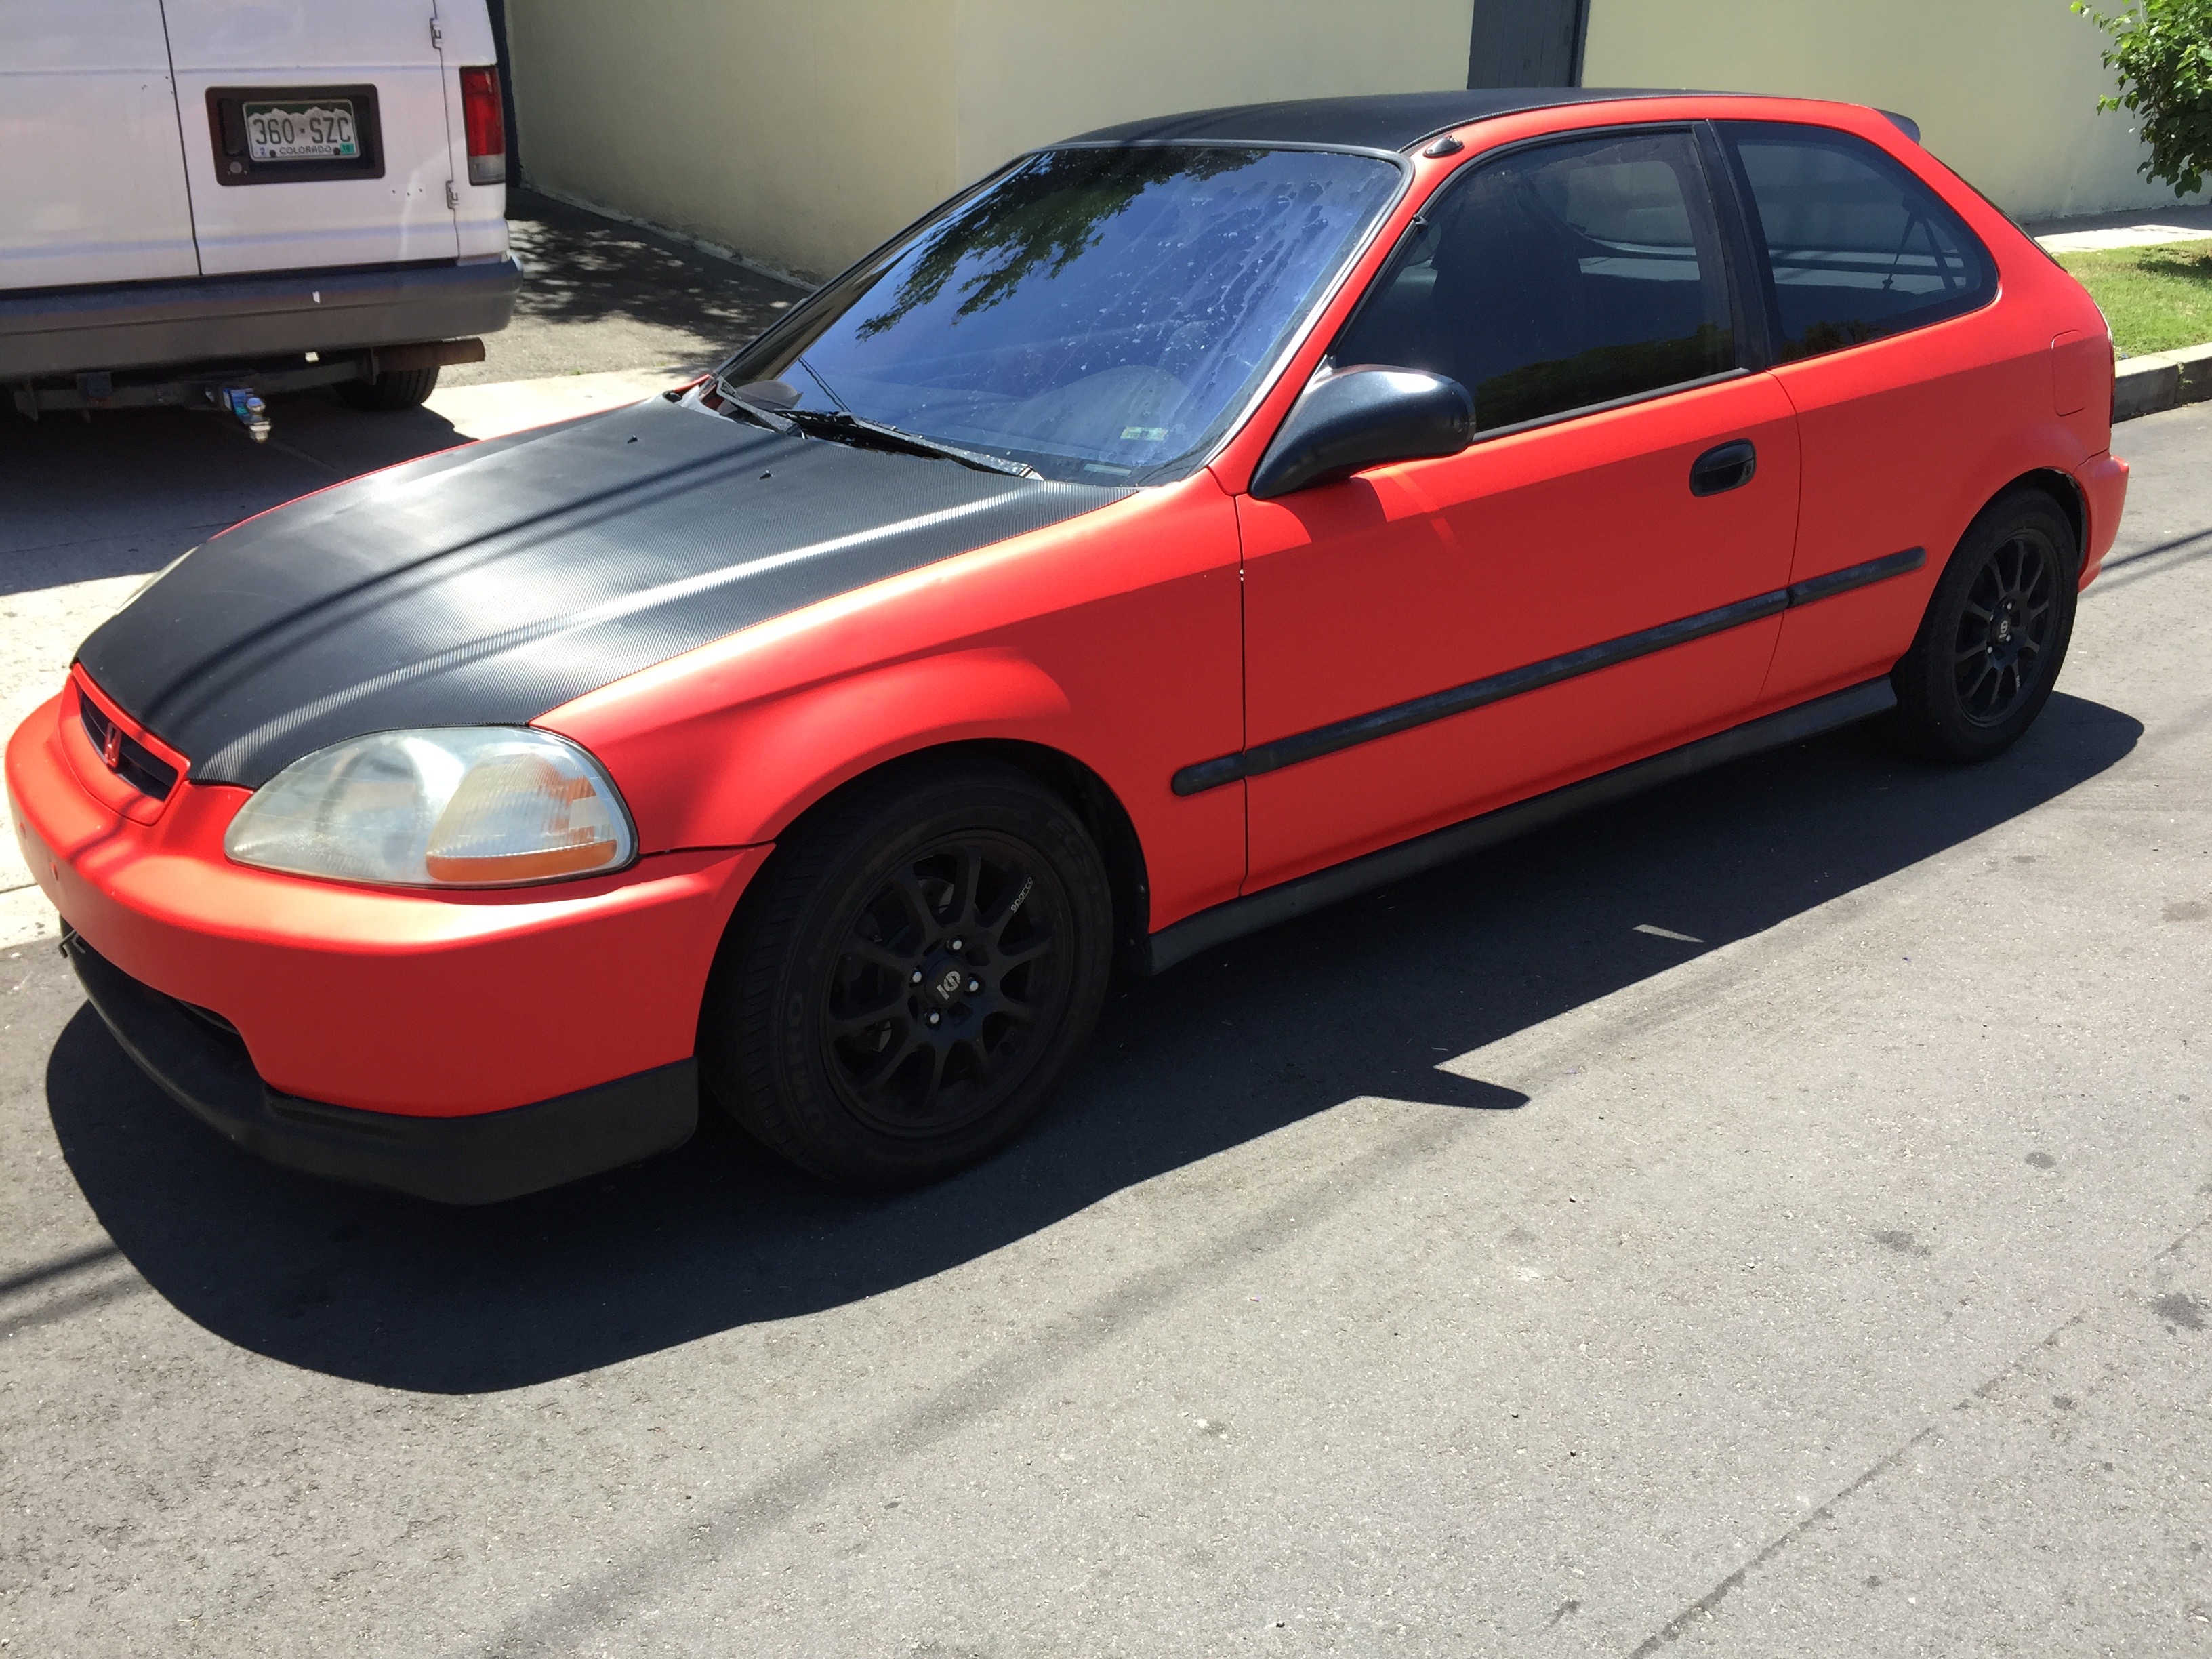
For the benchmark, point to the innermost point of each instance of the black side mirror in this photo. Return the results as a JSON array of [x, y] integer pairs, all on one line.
[[1361, 417]]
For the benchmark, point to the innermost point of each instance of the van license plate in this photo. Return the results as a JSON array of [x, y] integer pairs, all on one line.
[[321, 131]]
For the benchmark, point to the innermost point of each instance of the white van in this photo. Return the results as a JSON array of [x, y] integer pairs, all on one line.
[[205, 201]]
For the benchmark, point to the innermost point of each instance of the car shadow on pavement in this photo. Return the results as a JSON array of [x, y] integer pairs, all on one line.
[[1361, 1000]]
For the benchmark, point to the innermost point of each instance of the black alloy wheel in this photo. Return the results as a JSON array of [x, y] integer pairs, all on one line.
[[1994, 633], [911, 976], [943, 982], [2005, 629]]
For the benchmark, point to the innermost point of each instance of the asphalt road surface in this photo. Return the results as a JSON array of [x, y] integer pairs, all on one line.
[[1772, 1216]]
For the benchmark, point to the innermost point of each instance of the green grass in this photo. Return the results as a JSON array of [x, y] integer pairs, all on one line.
[[2157, 299]]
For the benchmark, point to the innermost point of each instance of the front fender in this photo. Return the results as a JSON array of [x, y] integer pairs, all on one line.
[[1114, 639], [737, 776]]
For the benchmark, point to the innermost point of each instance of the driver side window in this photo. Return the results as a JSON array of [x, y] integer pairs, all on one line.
[[1557, 277]]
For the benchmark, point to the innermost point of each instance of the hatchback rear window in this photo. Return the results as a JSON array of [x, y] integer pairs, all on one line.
[[1860, 248], [1100, 314]]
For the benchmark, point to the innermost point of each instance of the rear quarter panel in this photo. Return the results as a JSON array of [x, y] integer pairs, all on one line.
[[1906, 439]]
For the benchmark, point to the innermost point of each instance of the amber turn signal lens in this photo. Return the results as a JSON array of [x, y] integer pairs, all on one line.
[[516, 818]]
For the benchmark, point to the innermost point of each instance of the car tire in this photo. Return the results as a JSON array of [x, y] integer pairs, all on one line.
[[970, 893], [394, 389], [1994, 633]]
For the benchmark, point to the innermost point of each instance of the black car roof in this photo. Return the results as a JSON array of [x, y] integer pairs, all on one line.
[[1394, 120]]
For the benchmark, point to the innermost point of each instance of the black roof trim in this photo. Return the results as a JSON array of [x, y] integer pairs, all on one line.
[[1387, 121]]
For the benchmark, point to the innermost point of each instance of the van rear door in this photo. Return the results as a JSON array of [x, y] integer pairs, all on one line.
[[314, 133], [92, 178], [465, 25]]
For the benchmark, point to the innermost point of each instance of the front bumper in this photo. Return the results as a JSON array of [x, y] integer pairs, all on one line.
[[452, 1160], [69, 331], [404, 1004]]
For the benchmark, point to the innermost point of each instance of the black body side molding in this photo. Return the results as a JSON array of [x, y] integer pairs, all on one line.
[[479, 1160], [1239, 916], [1532, 677]]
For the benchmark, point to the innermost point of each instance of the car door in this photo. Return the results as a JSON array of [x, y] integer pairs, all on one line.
[[1594, 578], [92, 178], [1877, 293], [315, 134]]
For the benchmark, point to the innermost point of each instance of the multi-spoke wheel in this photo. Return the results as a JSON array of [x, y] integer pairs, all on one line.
[[1994, 633], [911, 976], [2005, 628], [941, 983]]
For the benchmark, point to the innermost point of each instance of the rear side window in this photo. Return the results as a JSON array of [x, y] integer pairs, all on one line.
[[1859, 249], [1557, 277]]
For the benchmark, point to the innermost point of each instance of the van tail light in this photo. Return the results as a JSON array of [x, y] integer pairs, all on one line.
[[486, 124]]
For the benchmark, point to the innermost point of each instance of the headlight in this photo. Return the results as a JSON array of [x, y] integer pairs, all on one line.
[[450, 806]]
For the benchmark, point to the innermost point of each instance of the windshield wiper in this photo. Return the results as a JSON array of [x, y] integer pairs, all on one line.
[[842, 426], [774, 420]]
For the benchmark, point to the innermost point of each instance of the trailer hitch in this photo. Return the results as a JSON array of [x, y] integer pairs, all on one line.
[[245, 402]]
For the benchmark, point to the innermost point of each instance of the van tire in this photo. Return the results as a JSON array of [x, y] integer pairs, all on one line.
[[394, 389]]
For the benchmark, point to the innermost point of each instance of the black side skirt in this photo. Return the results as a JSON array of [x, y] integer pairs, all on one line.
[[1254, 911], [452, 1160]]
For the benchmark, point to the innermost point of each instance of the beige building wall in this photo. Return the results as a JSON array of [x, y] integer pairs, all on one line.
[[795, 135], [798, 136], [2005, 91], [1034, 70]]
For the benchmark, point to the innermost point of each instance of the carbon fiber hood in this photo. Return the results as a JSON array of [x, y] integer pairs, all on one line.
[[492, 583]]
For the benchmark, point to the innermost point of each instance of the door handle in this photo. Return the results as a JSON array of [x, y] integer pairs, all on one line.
[[1725, 466]]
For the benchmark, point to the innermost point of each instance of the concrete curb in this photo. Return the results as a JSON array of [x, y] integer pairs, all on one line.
[[2161, 379]]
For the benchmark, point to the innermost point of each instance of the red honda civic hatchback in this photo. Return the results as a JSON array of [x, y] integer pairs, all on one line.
[[1191, 524]]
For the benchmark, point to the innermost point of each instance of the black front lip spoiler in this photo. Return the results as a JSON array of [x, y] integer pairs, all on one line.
[[450, 1160], [66, 330]]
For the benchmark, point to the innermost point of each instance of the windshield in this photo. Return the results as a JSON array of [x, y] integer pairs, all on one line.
[[1098, 315]]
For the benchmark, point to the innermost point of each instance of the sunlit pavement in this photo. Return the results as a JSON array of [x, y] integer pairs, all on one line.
[[1472, 1269], [2138, 228]]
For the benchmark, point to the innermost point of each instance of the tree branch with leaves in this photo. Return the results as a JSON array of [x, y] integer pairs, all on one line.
[[2161, 51]]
